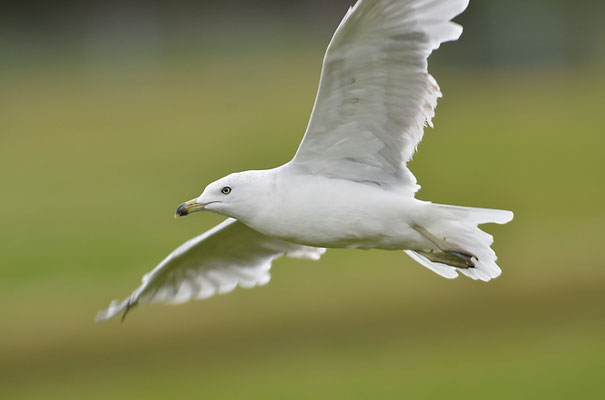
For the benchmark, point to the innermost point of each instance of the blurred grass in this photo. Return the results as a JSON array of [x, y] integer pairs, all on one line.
[[95, 157]]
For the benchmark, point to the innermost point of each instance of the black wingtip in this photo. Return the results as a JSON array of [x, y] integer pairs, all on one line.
[[129, 305]]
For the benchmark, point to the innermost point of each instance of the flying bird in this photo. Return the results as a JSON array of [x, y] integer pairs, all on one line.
[[348, 185]]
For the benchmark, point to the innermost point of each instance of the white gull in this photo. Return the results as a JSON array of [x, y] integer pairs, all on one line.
[[348, 185]]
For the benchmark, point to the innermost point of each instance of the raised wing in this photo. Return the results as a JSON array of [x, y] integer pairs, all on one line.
[[230, 254], [375, 94]]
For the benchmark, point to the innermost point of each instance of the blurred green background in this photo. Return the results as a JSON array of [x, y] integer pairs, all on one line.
[[113, 114]]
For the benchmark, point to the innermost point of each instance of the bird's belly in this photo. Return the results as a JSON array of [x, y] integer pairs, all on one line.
[[342, 224]]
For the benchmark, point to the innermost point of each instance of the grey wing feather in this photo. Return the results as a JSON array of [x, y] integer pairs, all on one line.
[[229, 255], [375, 94]]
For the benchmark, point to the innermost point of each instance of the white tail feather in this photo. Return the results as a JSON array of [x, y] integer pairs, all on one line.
[[458, 226]]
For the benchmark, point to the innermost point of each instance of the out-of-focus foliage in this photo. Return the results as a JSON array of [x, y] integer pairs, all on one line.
[[99, 145], [498, 33]]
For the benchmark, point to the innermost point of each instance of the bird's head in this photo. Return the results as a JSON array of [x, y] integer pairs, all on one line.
[[225, 196]]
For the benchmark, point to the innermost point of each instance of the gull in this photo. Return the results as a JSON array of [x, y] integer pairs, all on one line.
[[348, 185]]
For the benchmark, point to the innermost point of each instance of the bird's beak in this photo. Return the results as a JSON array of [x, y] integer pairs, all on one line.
[[188, 207]]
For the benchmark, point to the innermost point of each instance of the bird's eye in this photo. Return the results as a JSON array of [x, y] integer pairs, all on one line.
[[226, 190]]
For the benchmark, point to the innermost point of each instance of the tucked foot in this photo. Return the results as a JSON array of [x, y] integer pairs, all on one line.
[[446, 253], [454, 258]]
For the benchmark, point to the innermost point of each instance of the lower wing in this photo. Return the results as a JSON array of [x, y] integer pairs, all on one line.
[[229, 255]]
